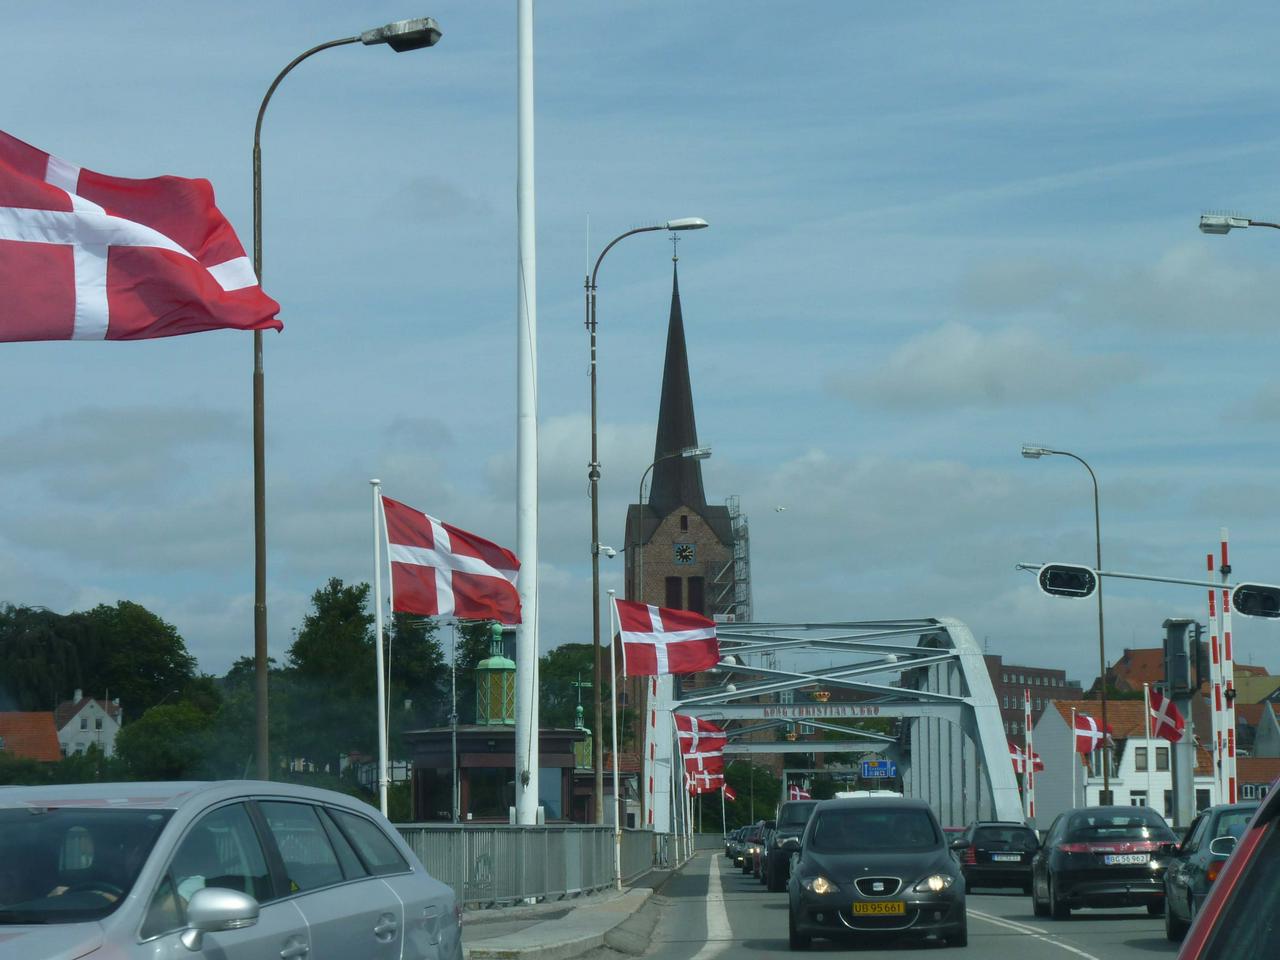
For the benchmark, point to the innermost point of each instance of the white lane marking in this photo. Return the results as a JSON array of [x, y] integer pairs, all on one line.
[[719, 933], [1036, 933]]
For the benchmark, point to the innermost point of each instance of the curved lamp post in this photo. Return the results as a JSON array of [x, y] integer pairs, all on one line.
[[691, 453], [1035, 453], [593, 477], [401, 36]]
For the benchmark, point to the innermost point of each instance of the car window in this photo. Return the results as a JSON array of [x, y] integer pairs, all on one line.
[[1132, 824], [375, 848], [309, 860], [1195, 836], [795, 814], [851, 831], [1004, 838], [1250, 920], [352, 868], [1232, 823], [221, 850]]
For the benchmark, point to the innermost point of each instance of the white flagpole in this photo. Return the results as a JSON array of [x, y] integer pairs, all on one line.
[[377, 646], [1075, 758], [1151, 750], [724, 821], [613, 731]]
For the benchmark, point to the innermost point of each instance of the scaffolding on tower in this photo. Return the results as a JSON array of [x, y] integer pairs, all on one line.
[[731, 599]]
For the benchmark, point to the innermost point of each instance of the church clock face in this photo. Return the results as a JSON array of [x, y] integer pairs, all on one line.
[[684, 553]]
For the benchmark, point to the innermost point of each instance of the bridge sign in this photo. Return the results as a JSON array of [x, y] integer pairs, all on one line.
[[879, 769]]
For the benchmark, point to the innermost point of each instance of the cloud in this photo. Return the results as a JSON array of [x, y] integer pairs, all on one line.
[[957, 365]]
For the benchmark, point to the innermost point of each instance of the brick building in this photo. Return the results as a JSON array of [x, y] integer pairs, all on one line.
[[1044, 683]]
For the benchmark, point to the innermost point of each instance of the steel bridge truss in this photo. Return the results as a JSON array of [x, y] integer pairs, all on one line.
[[929, 674]]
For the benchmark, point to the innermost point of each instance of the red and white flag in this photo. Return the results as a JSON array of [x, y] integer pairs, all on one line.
[[705, 782], [438, 570], [798, 792], [701, 742], [1089, 734], [729, 792], [84, 256], [657, 640], [1166, 722], [1019, 758]]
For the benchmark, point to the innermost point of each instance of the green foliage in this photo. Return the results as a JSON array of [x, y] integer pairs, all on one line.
[[742, 775], [165, 743], [558, 673], [474, 638]]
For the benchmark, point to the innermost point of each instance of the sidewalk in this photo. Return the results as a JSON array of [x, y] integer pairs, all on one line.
[[565, 929]]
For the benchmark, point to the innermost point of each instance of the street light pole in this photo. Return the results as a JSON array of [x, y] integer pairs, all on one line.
[[593, 478], [1035, 453], [401, 36]]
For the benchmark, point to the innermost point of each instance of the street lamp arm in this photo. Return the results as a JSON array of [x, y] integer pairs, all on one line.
[[257, 145], [614, 242]]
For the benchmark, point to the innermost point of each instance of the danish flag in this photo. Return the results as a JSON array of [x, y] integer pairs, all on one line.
[[798, 792], [657, 640], [705, 782], [1019, 758], [438, 570], [85, 256], [1166, 722], [698, 735], [729, 792], [1088, 733]]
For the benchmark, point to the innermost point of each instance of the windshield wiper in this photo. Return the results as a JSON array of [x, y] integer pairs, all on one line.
[[23, 916]]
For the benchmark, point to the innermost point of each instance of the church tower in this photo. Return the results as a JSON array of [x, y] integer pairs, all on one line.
[[680, 550]]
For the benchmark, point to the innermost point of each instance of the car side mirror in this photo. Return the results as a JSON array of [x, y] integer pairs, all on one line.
[[1222, 846], [214, 909], [959, 843]]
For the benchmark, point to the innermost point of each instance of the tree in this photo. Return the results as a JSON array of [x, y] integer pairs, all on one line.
[[475, 640], [128, 652], [418, 687], [40, 651], [560, 672], [165, 743]]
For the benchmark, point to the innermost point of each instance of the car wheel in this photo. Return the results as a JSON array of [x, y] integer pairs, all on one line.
[[960, 936], [1038, 908], [795, 939], [1058, 909], [1156, 909], [1174, 929]]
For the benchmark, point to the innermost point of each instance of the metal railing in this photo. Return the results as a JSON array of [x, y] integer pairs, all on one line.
[[498, 865]]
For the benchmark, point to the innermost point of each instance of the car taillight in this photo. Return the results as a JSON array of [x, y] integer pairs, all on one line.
[[970, 856], [1074, 848], [1215, 868], [1112, 846]]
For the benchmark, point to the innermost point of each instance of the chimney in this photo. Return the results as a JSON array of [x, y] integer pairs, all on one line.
[[79, 695]]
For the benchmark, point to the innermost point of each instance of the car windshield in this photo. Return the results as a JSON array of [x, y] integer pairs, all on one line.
[[70, 864], [795, 814], [1004, 838], [1133, 824], [854, 831]]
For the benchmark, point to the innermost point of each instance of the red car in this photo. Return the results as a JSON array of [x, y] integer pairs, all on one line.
[[1241, 917]]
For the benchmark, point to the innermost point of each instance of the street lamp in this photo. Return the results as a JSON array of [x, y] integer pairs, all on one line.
[[400, 36], [1220, 225], [690, 453], [1032, 452], [593, 477]]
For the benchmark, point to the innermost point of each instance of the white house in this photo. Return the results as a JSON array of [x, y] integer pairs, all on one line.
[[1140, 773], [83, 721]]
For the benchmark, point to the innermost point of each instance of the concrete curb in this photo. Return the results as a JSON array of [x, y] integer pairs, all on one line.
[[583, 929]]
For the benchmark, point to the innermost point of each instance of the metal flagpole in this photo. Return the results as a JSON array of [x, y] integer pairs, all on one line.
[[377, 646], [1228, 678], [724, 820], [1151, 750], [613, 731], [1075, 758], [453, 723]]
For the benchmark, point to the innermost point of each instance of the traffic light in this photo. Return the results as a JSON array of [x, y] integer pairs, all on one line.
[[1067, 580], [1257, 600], [1179, 641]]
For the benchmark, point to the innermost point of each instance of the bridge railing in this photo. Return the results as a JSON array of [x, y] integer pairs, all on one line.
[[501, 864]]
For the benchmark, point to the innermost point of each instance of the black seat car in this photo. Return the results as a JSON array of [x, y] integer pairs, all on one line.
[[875, 868], [996, 854], [793, 815], [1193, 866], [1101, 857]]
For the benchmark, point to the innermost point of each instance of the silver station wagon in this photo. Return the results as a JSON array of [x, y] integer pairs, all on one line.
[[231, 870]]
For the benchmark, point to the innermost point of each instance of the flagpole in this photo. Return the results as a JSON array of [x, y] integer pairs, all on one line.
[[1074, 762], [377, 646], [1151, 752], [613, 732], [724, 820]]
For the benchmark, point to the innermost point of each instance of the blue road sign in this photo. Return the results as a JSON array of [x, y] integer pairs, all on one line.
[[879, 769]]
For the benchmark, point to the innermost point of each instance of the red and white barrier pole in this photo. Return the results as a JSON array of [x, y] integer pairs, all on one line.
[[1228, 679], [1215, 694], [1030, 775]]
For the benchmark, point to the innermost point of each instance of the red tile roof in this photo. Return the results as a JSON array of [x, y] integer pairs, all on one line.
[[1139, 665], [1257, 769], [627, 762], [30, 735]]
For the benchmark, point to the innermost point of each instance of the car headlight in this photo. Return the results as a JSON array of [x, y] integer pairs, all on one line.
[[934, 884], [819, 885]]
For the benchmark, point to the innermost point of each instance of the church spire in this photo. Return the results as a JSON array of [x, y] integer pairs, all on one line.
[[677, 481]]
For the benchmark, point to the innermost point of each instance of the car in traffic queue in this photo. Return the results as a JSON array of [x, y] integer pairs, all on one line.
[[731, 842], [1241, 915], [872, 869], [791, 820], [758, 848], [1101, 857], [231, 870], [754, 837], [1195, 863], [995, 853]]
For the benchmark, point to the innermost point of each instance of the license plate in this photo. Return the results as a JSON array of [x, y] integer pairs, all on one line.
[[1007, 857], [888, 908], [1122, 858]]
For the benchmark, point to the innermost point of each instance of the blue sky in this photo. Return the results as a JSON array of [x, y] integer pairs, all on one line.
[[938, 231]]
